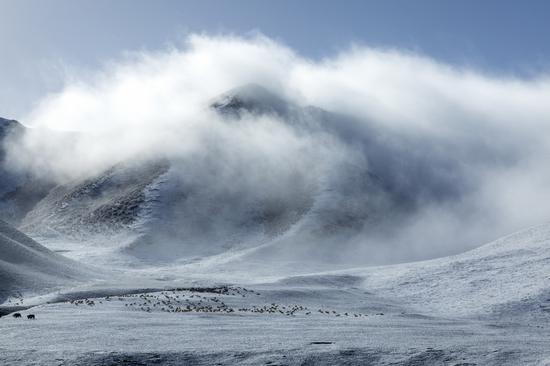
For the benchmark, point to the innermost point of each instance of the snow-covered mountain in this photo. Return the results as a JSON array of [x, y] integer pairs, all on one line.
[[177, 241], [171, 207], [163, 209]]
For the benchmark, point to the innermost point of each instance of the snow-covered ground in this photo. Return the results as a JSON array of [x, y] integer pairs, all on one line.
[[488, 306], [111, 333]]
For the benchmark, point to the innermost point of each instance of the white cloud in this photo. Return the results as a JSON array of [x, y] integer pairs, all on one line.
[[460, 142]]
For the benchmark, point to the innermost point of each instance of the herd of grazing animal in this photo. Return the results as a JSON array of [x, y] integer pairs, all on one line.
[[208, 300], [193, 299]]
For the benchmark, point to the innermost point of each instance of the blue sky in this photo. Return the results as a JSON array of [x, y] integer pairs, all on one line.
[[40, 39]]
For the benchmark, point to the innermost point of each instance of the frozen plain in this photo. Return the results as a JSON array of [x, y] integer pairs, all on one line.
[[488, 306]]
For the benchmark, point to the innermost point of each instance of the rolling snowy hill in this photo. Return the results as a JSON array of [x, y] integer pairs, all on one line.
[[488, 306], [27, 267]]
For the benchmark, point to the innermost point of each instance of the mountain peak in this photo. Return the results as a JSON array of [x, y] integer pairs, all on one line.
[[7, 122], [7, 125], [251, 98]]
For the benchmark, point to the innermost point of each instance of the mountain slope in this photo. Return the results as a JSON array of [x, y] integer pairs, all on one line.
[[26, 266], [312, 182], [19, 190], [174, 208], [103, 204], [509, 277]]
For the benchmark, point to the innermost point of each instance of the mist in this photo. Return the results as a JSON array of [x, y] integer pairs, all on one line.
[[380, 156]]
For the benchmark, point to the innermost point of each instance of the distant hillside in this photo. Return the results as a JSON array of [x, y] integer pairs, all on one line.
[[19, 190], [26, 265]]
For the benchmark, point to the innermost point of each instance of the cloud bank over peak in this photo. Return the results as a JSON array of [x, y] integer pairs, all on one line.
[[466, 152]]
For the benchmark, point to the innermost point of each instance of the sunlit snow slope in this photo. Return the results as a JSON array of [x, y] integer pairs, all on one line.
[[509, 277]]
